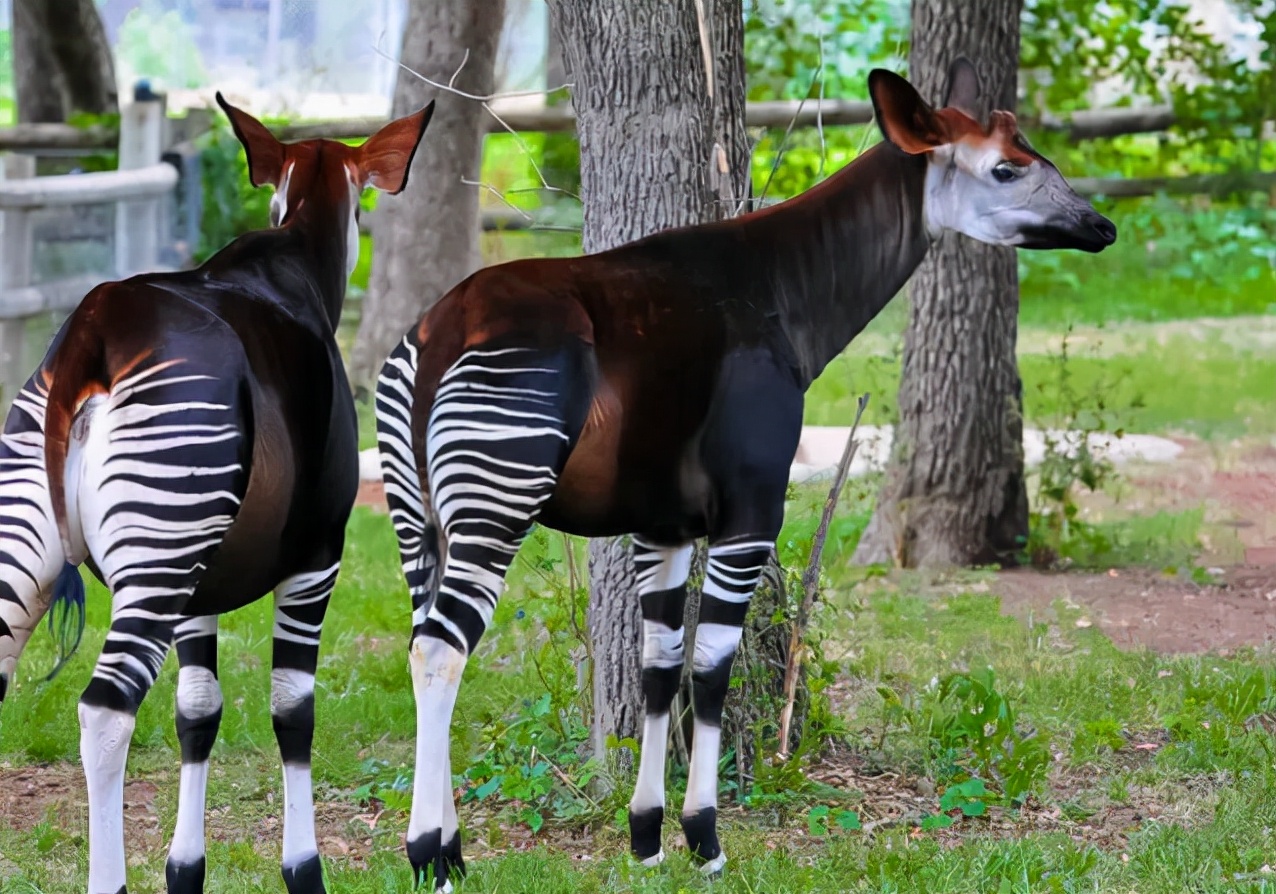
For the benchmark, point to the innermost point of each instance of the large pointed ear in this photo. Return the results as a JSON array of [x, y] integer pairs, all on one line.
[[907, 121], [265, 153], [903, 116], [385, 158], [962, 91]]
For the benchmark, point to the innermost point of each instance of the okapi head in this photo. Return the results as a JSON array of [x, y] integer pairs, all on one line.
[[327, 172], [984, 180]]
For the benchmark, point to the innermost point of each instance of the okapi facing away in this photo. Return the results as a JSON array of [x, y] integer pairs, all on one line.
[[192, 437], [657, 390]]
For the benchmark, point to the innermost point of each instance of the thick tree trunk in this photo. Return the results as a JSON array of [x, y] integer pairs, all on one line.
[[62, 61], [427, 240], [644, 119], [954, 493], [657, 151]]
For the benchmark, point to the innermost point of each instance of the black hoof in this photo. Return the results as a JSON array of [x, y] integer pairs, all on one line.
[[185, 878], [428, 852], [304, 878], [644, 833], [701, 831]]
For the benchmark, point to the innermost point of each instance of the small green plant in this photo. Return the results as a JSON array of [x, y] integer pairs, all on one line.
[[1070, 462], [390, 787], [821, 819], [973, 735]]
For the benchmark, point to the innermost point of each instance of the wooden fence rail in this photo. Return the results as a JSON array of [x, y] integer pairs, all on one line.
[[535, 117], [137, 189]]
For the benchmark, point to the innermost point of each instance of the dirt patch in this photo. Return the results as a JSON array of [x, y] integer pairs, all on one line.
[[56, 794], [372, 495], [1142, 607]]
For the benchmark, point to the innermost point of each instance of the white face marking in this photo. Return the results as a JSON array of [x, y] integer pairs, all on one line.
[[352, 228], [279, 201], [963, 194]]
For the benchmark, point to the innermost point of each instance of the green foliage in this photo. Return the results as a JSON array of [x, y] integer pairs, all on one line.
[[822, 819], [971, 728], [6, 69], [1070, 461], [232, 205], [158, 44]]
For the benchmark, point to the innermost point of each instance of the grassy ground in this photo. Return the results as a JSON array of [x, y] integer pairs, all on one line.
[[1156, 772]]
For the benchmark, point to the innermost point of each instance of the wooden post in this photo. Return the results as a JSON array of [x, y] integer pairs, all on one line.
[[16, 246], [137, 223]]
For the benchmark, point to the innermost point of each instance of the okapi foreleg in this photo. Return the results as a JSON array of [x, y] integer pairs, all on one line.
[[199, 714], [734, 568], [662, 589], [300, 605]]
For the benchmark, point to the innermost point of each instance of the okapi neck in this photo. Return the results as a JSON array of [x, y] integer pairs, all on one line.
[[324, 245], [834, 256]]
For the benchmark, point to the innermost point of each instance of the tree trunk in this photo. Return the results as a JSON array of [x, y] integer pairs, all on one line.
[[954, 493], [427, 240], [62, 61], [656, 151]]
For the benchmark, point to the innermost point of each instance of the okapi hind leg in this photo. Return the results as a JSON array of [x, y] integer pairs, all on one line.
[[32, 565], [164, 470], [301, 602], [199, 714], [662, 590], [502, 425]]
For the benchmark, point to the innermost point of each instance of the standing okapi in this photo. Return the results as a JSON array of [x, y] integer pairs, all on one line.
[[192, 438], [656, 390]]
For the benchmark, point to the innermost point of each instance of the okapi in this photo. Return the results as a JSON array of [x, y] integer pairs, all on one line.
[[192, 437], [656, 390]]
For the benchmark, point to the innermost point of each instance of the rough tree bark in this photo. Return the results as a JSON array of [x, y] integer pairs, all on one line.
[[954, 493], [656, 151], [427, 240], [62, 61]]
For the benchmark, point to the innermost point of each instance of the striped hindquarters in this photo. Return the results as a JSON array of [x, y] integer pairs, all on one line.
[[414, 520]]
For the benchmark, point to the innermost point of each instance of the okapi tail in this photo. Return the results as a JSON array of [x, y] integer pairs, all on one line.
[[66, 615], [415, 522], [79, 383]]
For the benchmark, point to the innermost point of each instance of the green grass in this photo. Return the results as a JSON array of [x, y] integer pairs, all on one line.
[[1205, 385], [1208, 818]]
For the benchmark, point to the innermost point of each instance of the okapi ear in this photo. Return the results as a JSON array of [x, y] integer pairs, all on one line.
[[265, 153], [962, 91], [385, 158], [907, 121]]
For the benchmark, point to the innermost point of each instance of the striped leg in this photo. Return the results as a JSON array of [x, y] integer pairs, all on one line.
[[495, 442], [161, 480], [300, 604], [735, 565], [199, 713], [30, 548], [662, 589]]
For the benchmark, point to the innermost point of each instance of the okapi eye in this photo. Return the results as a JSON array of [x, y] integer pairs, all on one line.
[[1004, 172]]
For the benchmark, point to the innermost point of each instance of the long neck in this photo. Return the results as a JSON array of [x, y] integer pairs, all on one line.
[[830, 259], [323, 228]]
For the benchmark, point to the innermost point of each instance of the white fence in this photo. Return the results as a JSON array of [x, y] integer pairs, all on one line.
[[138, 189]]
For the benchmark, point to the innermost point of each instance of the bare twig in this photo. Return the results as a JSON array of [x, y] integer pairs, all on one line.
[[706, 46], [461, 93], [819, 113], [779, 151], [499, 197], [811, 582]]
